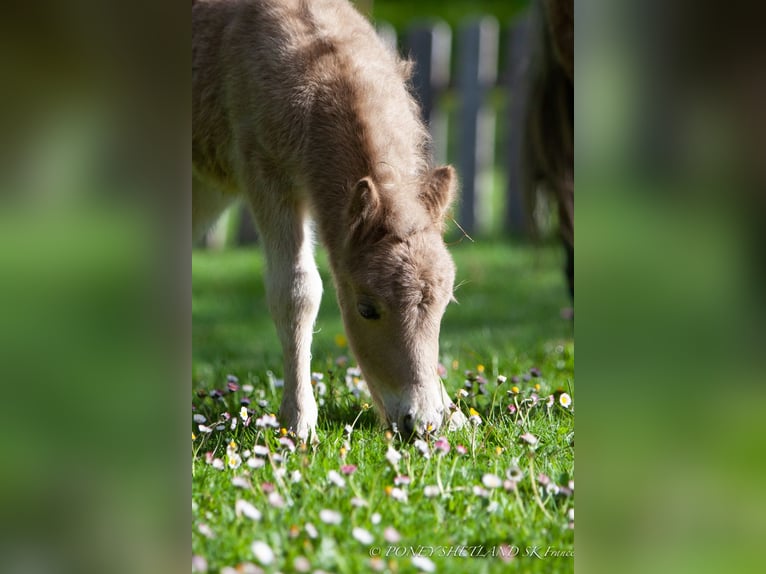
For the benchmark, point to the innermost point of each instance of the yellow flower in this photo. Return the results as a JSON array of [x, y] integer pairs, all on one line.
[[365, 406], [473, 412], [537, 386], [194, 436], [498, 450], [388, 490], [283, 431], [480, 368], [515, 390], [340, 340]]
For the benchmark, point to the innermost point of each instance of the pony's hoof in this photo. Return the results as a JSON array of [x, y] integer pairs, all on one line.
[[456, 420], [302, 424]]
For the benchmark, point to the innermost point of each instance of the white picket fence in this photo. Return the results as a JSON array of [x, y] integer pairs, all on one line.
[[465, 132]]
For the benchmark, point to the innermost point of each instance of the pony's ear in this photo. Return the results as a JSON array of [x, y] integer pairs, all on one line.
[[365, 213], [439, 192], [365, 202]]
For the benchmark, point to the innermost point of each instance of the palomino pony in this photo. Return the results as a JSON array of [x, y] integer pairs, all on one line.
[[300, 107]]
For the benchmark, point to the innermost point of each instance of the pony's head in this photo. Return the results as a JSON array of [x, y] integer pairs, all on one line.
[[396, 282]]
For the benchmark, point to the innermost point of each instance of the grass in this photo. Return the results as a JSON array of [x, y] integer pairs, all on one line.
[[493, 494]]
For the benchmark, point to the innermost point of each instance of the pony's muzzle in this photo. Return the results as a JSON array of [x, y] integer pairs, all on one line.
[[407, 425]]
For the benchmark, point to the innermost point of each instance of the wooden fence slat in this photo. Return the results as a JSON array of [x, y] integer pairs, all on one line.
[[477, 73], [516, 220]]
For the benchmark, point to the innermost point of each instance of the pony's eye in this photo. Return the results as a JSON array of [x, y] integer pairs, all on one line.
[[368, 311]]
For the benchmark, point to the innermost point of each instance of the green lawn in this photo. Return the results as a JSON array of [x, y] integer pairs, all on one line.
[[491, 494]]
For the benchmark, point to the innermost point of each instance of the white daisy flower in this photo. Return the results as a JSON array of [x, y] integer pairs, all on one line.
[[330, 516], [336, 479], [362, 535], [423, 564], [262, 552], [491, 481], [246, 509]]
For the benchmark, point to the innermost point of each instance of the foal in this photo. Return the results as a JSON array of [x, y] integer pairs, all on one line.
[[300, 107]]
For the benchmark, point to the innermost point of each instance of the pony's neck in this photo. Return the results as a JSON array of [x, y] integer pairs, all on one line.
[[376, 135]]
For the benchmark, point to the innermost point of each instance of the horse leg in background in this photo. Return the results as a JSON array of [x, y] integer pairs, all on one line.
[[294, 292]]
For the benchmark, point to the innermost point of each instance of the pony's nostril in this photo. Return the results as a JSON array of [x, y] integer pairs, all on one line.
[[408, 425]]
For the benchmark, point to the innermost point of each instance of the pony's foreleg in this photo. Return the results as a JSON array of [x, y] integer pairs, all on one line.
[[294, 290]]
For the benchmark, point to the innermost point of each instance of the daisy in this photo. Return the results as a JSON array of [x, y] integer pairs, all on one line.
[[262, 552], [362, 535], [491, 481], [514, 473], [565, 400], [336, 479], [301, 564], [330, 516], [199, 564], [549, 401], [311, 530], [241, 482], [393, 456], [253, 462], [431, 491], [260, 450], [479, 491], [391, 535], [399, 494], [267, 421], [423, 564], [422, 446], [276, 500], [287, 443], [244, 508], [529, 438], [442, 445]]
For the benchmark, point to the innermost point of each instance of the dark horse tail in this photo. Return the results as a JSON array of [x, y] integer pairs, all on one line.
[[549, 131]]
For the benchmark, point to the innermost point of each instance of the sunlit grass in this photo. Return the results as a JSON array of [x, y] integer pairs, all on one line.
[[498, 489]]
